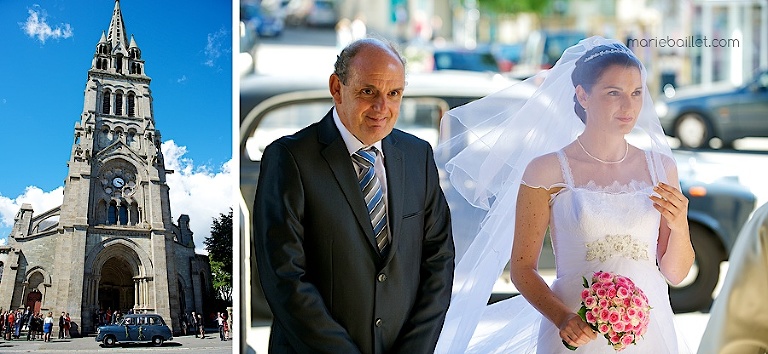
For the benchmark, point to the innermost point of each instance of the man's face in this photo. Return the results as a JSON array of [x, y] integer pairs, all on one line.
[[369, 104]]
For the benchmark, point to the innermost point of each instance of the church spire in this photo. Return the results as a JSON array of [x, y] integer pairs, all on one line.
[[117, 34]]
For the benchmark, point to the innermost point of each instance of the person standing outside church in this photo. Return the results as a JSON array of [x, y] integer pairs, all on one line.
[[47, 327], [352, 233], [61, 326]]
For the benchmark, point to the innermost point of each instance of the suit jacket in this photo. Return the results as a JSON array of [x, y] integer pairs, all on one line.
[[327, 285]]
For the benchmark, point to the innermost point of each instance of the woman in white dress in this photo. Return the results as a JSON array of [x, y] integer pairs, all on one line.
[[562, 160]]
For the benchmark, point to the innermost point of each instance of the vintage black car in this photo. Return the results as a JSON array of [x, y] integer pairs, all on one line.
[[271, 107], [697, 115], [135, 328]]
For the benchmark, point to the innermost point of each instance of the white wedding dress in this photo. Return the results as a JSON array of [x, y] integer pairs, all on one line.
[[594, 227]]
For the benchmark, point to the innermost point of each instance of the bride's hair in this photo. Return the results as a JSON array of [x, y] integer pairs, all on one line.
[[590, 67]]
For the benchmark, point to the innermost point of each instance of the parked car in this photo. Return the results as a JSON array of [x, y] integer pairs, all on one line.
[[275, 106], [268, 22], [322, 14], [716, 212], [542, 50], [696, 115], [507, 55], [135, 328], [458, 58]]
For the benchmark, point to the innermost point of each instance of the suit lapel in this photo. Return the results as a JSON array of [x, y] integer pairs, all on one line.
[[337, 156], [395, 165]]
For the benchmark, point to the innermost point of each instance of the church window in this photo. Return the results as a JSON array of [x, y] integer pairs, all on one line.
[[123, 215], [104, 64], [105, 104], [118, 104], [98, 63], [112, 213], [134, 214], [119, 63], [1, 270], [131, 105], [138, 69]]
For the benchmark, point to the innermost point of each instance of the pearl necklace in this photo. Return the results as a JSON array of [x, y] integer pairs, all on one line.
[[626, 152]]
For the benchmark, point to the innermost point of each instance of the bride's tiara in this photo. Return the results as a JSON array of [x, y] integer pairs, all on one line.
[[607, 51]]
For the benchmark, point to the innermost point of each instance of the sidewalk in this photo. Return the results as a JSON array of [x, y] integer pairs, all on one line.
[[87, 345]]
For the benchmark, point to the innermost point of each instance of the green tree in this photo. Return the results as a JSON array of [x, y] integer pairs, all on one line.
[[219, 246], [513, 6]]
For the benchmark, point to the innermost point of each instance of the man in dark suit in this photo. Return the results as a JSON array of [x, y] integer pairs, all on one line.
[[341, 273]]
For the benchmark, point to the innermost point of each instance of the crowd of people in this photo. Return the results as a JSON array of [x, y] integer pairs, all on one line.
[[194, 323], [39, 326], [36, 325]]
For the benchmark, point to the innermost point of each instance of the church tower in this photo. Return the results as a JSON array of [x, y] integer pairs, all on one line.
[[114, 246]]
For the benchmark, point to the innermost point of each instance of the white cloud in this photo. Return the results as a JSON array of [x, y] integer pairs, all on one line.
[[213, 48], [37, 26], [201, 192], [41, 202], [182, 79]]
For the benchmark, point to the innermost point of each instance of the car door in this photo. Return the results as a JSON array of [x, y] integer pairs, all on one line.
[[128, 330], [752, 110]]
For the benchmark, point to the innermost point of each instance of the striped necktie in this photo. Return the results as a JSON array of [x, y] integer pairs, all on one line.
[[373, 194]]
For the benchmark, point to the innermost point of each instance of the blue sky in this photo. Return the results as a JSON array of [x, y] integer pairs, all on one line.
[[47, 49]]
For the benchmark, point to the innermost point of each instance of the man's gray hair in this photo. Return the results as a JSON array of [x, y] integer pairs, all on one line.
[[341, 67]]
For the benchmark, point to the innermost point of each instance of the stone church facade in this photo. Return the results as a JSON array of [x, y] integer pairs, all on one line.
[[112, 243]]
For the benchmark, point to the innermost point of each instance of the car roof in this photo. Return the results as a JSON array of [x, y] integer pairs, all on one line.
[[142, 315]]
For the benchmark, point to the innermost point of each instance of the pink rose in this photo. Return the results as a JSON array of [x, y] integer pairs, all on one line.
[[604, 314], [603, 328], [585, 294], [618, 327], [590, 317], [622, 292], [627, 339], [613, 317], [590, 301], [602, 303]]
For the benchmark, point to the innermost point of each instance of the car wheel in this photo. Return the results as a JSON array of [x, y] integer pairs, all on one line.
[[109, 341], [695, 292], [692, 130], [157, 341]]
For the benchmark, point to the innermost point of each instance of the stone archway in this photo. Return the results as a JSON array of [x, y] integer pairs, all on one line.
[[116, 277], [116, 285]]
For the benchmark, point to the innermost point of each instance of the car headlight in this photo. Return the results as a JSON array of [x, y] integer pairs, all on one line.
[[661, 109]]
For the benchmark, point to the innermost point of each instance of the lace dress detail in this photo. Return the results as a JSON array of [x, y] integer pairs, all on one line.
[[593, 228]]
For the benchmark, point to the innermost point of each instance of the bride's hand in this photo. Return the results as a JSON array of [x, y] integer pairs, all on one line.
[[575, 331], [672, 205]]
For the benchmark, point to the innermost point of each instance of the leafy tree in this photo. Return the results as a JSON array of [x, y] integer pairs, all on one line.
[[219, 246], [514, 6]]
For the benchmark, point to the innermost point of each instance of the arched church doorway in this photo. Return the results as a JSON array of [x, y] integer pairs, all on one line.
[[116, 286], [34, 300]]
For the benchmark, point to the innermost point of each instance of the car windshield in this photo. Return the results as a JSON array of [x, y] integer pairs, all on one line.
[[465, 60]]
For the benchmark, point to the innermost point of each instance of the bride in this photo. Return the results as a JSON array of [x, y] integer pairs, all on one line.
[[585, 159]]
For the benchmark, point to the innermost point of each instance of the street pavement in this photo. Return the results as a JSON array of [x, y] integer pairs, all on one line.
[[211, 344]]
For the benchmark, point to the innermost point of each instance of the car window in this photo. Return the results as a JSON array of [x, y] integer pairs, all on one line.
[[465, 60], [418, 116]]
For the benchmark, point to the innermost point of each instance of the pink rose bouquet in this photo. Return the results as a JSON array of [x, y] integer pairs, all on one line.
[[616, 308]]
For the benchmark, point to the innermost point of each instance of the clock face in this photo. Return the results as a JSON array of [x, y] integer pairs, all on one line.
[[118, 182]]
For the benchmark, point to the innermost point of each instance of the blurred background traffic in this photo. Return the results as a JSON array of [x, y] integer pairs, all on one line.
[[707, 65]]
